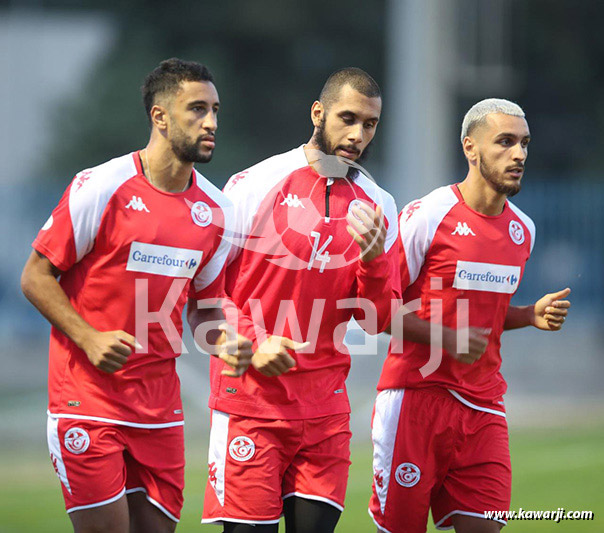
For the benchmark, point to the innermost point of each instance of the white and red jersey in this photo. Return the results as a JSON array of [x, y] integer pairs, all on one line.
[[121, 244], [471, 265], [296, 272]]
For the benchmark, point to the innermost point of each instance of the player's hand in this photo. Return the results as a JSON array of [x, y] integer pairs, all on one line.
[[550, 311], [478, 340], [367, 228], [235, 350], [273, 359], [109, 350]]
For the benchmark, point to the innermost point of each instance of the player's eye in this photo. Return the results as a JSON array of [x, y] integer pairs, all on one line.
[[348, 119], [370, 125]]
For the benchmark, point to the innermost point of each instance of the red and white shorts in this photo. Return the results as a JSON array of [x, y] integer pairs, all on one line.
[[431, 450], [254, 464], [98, 462]]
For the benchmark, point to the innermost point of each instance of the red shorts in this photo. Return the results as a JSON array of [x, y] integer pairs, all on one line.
[[98, 462], [430, 450], [256, 463]]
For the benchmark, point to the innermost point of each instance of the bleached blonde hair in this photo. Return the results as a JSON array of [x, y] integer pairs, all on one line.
[[479, 112]]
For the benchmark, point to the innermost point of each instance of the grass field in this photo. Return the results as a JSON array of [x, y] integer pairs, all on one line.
[[552, 468]]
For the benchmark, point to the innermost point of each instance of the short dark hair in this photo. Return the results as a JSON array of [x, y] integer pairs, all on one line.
[[357, 78], [167, 77]]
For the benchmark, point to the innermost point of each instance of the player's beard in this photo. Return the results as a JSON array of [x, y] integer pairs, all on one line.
[[497, 181], [321, 140], [186, 150]]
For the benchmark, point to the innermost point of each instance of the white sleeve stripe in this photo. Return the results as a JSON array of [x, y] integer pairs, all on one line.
[[418, 232], [89, 198], [248, 194], [381, 197], [214, 266], [526, 220], [211, 190]]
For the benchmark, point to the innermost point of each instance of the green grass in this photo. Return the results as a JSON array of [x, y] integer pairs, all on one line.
[[552, 468]]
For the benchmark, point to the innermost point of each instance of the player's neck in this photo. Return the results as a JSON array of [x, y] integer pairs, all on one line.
[[479, 196], [163, 170]]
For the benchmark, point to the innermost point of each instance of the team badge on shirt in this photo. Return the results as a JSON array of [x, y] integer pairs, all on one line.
[[407, 474], [242, 449], [77, 440], [201, 213], [516, 232]]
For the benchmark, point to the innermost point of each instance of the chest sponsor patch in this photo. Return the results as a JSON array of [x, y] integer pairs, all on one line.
[[472, 276], [163, 260]]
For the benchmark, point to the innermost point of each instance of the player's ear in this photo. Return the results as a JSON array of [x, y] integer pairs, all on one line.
[[159, 117], [469, 149], [316, 113]]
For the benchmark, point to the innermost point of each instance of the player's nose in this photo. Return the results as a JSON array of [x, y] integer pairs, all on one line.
[[520, 153], [355, 133], [210, 122]]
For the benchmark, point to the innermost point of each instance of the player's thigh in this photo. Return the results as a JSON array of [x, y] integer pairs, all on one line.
[[246, 461], [309, 516], [110, 518], [155, 465], [480, 477], [412, 440], [146, 517], [89, 462], [319, 469], [231, 527]]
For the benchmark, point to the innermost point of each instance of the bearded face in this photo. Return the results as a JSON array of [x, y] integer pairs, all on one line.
[[186, 149], [498, 179]]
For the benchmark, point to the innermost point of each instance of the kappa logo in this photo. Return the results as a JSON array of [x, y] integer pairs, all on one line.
[[516, 232], [242, 449], [77, 440], [137, 204], [463, 229], [201, 213], [407, 474], [292, 200]]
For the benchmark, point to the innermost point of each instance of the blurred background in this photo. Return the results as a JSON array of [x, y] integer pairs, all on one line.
[[70, 99]]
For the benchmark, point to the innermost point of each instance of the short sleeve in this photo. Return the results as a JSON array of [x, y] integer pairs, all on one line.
[[69, 233]]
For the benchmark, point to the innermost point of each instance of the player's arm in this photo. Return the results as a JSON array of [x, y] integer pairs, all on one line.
[[410, 327], [219, 338], [106, 350], [377, 275], [548, 313]]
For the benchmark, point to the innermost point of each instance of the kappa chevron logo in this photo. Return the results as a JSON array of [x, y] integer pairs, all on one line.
[[463, 229], [292, 200], [137, 204]]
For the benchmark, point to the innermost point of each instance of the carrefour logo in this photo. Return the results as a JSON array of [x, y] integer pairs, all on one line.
[[473, 276], [163, 260]]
